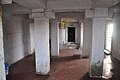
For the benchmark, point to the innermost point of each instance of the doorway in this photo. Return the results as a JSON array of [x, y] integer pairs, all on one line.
[[71, 34], [108, 40]]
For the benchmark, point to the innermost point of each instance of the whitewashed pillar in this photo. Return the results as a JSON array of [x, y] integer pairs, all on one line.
[[41, 32], [97, 56], [98, 37], [42, 55]]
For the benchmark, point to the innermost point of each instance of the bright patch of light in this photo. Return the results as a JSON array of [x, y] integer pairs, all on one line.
[[109, 33]]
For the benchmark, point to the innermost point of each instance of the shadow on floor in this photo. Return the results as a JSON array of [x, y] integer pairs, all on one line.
[[66, 58]]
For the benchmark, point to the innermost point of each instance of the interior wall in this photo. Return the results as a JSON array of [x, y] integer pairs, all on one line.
[[116, 36], [87, 37], [26, 35], [16, 37]]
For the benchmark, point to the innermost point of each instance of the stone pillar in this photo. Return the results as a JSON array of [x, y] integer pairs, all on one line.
[[2, 67], [54, 37], [98, 37], [97, 56], [42, 55], [41, 32]]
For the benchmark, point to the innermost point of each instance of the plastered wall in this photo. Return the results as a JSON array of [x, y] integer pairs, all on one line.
[[116, 36], [16, 37]]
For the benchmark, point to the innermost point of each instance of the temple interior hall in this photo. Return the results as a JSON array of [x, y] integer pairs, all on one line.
[[59, 39]]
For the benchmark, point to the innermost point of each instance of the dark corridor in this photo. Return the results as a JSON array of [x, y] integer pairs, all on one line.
[[71, 34]]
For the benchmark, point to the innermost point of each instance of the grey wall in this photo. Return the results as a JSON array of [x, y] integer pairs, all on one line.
[[26, 35], [78, 33], [87, 37], [16, 37], [116, 36], [54, 34]]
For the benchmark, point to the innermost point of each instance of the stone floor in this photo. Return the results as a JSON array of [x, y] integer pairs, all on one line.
[[69, 66]]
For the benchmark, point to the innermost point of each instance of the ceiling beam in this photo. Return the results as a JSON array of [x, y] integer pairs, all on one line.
[[6, 1], [58, 5], [32, 4], [75, 15], [102, 3], [15, 9]]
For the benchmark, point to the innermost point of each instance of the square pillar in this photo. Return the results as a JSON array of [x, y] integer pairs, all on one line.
[[42, 55], [54, 37], [99, 16], [97, 56], [2, 67]]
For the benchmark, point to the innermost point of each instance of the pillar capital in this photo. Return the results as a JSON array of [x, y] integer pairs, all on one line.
[[41, 13]]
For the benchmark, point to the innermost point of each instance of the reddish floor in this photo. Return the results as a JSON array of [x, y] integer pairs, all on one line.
[[70, 52], [63, 68], [66, 67]]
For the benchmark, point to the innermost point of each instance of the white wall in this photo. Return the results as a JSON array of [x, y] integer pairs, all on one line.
[[26, 35], [87, 37], [16, 37]]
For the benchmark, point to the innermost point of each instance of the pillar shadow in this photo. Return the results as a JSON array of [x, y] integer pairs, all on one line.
[[67, 58]]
